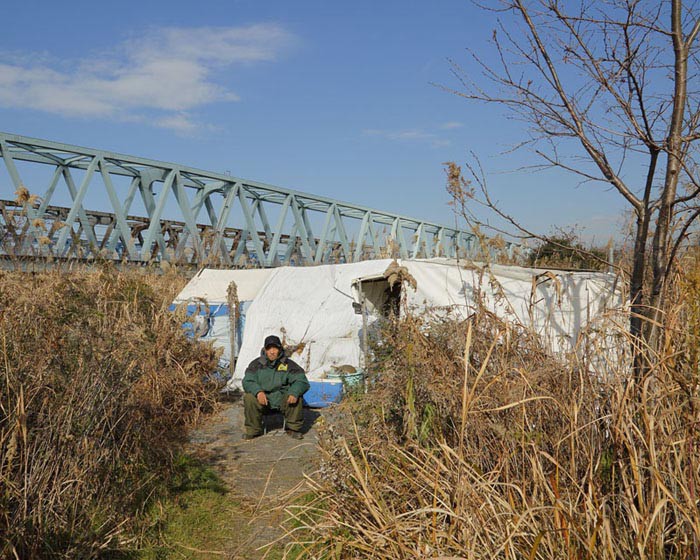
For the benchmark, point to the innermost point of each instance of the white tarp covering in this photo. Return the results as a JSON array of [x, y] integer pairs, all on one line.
[[312, 306], [212, 285], [556, 304]]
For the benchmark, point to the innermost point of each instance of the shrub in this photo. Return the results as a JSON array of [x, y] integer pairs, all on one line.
[[563, 249]]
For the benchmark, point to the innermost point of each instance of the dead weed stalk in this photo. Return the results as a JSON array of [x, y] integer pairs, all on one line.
[[474, 442], [97, 384]]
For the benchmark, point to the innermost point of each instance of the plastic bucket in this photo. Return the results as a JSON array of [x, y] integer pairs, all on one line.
[[323, 393]]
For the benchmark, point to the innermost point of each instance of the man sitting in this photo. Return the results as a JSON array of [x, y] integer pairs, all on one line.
[[275, 382]]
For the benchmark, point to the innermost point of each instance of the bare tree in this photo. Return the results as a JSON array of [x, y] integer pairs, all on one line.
[[609, 89]]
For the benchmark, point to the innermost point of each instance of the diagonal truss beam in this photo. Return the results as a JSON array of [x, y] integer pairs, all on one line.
[[248, 221]]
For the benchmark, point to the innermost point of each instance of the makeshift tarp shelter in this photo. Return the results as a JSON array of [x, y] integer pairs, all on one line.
[[311, 308]]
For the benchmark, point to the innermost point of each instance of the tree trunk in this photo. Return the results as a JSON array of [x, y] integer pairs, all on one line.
[[637, 307], [660, 247]]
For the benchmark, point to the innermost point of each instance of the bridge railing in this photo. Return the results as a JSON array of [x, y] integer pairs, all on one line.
[[63, 200]]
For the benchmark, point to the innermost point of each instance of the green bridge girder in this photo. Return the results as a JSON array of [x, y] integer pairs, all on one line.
[[193, 216]]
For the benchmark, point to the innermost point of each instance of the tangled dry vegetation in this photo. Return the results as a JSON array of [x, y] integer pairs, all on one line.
[[516, 454], [97, 384]]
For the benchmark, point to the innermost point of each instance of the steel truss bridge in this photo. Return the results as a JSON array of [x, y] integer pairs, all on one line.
[[62, 201]]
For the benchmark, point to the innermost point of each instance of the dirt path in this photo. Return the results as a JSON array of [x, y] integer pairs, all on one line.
[[263, 474]]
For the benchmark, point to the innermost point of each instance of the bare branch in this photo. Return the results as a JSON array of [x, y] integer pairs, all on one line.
[[692, 35], [599, 158], [460, 197], [616, 81]]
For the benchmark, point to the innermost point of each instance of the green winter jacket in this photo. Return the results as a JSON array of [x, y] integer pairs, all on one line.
[[276, 379]]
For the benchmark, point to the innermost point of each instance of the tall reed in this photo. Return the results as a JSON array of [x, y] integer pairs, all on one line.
[[474, 442], [97, 384]]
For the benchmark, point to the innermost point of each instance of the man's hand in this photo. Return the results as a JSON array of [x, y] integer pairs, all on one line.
[[291, 399], [262, 398]]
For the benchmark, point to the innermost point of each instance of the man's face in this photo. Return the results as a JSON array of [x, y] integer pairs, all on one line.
[[272, 353]]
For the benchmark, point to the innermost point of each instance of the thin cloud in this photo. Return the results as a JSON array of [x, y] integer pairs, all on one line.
[[441, 143], [156, 79], [451, 125], [180, 122], [408, 135]]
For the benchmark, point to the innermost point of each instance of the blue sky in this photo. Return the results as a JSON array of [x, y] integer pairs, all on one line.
[[332, 98]]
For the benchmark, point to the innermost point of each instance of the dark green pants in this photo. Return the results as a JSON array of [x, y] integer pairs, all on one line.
[[253, 410]]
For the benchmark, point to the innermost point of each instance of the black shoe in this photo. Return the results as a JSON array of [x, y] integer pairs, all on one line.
[[250, 436], [294, 435]]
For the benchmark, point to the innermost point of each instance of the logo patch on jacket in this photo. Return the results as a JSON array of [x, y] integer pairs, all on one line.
[[282, 367]]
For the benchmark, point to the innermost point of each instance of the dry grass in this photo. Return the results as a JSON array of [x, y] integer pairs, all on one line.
[[475, 443], [97, 384]]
